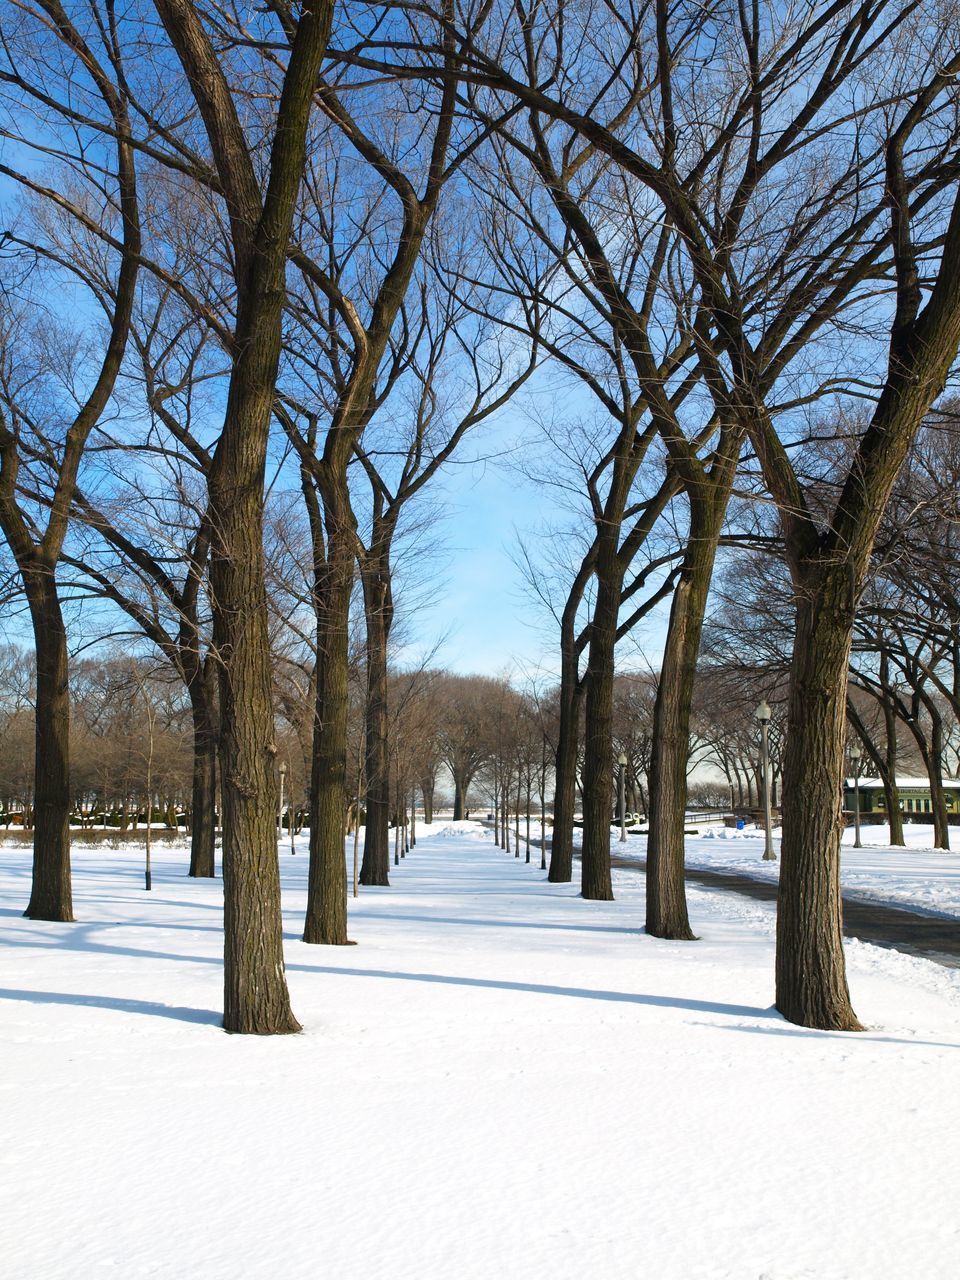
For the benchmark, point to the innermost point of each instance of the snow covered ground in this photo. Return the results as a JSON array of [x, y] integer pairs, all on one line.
[[918, 876], [500, 1080]]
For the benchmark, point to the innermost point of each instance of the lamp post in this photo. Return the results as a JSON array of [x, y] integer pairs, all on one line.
[[283, 778], [856, 755], [291, 823], [622, 762], [762, 714]]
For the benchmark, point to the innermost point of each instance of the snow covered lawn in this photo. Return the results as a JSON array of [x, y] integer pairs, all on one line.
[[500, 1080]]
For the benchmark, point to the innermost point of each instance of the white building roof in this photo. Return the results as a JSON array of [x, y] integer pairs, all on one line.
[[907, 784]]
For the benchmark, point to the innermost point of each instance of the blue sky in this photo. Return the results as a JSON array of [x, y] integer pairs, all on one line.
[[473, 593], [479, 598]]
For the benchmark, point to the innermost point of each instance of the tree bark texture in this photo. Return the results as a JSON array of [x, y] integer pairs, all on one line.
[[378, 609], [667, 915], [51, 892], [811, 978], [326, 918], [565, 767], [596, 882], [255, 990], [203, 834]]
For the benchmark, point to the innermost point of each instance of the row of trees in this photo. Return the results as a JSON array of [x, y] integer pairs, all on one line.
[[314, 247], [455, 742]]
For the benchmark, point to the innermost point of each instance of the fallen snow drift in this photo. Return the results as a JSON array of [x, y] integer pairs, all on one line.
[[500, 1080]]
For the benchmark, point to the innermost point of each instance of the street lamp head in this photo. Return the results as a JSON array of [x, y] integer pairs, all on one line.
[[283, 767], [856, 753], [622, 761], [762, 712]]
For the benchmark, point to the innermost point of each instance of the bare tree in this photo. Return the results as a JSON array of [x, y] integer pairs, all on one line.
[[260, 226], [50, 437], [885, 206], [400, 159]]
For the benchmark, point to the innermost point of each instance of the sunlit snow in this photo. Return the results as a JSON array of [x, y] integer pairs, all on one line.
[[500, 1080]]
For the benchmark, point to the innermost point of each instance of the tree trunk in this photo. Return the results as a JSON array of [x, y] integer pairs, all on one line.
[[378, 609], [505, 813], [203, 826], [596, 881], [326, 918], [255, 989], [565, 787], [427, 785], [891, 792], [461, 786], [516, 816], [938, 799], [666, 892], [527, 859], [51, 893], [543, 805], [811, 976]]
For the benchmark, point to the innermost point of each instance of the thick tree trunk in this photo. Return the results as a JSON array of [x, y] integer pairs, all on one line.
[[811, 976], [461, 786], [596, 881], [378, 609], [203, 826], [666, 891], [51, 894], [255, 989], [326, 918]]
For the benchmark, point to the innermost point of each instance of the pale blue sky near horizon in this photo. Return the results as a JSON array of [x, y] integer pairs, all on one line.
[[481, 603]]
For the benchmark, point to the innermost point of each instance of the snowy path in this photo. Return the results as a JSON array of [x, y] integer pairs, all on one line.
[[500, 1080]]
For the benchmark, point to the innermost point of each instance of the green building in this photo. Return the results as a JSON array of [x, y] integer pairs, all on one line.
[[914, 797]]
